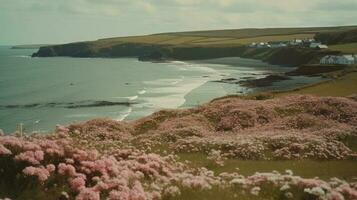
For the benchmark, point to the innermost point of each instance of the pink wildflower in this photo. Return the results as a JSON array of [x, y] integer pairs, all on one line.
[[77, 183], [348, 191], [137, 192], [69, 169], [51, 167], [87, 194], [61, 129], [4, 150], [31, 157], [41, 172], [173, 191]]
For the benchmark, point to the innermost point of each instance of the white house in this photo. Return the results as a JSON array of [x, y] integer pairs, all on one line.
[[310, 40], [296, 42], [328, 60], [339, 60], [253, 45], [263, 45], [259, 45], [277, 44], [315, 44], [347, 59], [322, 46]]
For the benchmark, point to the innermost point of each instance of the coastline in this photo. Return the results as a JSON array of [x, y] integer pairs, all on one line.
[[274, 136], [188, 92], [262, 80], [206, 86]]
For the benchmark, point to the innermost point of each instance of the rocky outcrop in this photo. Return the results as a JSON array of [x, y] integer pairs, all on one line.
[[81, 49], [264, 82], [146, 52]]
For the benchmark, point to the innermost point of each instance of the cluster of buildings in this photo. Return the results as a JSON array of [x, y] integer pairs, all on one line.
[[306, 43], [339, 60], [309, 43]]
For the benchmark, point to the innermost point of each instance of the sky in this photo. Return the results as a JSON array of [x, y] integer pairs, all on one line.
[[62, 21]]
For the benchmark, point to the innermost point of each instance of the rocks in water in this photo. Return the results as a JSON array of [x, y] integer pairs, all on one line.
[[227, 80], [264, 82], [251, 82]]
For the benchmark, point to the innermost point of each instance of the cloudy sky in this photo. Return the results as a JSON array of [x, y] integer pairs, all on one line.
[[60, 21]]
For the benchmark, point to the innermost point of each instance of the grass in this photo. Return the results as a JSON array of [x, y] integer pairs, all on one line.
[[216, 37], [344, 169], [163, 39], [246, 41], [350, 48], [340, 83], [342, 86], [249, 33], [324, 169]]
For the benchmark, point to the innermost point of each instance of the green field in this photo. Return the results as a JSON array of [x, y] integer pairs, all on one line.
[[234, 37], [340, 83], [350, 48], [176, 40]]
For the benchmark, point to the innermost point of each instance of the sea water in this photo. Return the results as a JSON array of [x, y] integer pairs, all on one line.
[[42, 92]]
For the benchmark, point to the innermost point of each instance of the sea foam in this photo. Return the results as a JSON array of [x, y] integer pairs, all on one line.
[[125, 114]]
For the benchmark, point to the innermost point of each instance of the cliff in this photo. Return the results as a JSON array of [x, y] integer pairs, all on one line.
[[200, 45]]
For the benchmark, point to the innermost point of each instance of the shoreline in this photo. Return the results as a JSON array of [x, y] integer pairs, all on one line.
[[234, 142], [207, 90]]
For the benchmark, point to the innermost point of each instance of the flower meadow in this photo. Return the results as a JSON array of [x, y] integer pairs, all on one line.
[[139, 160]]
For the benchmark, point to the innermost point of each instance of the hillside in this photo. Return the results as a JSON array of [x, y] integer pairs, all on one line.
[[337, 37], [192, 45], [193, 154]]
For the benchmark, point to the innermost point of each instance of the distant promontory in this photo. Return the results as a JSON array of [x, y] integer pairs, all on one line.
[[210, 44]]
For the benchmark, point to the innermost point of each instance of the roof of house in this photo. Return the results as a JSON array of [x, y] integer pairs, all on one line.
[[335, 58], [322, 46], [348, 57]]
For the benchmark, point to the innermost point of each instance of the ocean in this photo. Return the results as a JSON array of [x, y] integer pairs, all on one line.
[[42, 92]]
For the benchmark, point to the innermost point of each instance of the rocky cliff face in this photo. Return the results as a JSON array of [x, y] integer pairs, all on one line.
[[150, 52], [87, 49], [73, 50]]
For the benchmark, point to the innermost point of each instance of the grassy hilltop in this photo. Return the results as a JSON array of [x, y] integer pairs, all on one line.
[[234, 37], [195, 45]]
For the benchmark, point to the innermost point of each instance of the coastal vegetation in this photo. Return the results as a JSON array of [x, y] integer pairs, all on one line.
[[193, 154]]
